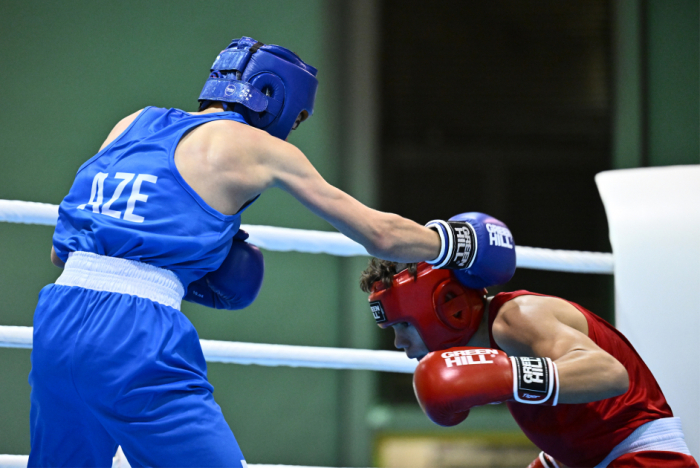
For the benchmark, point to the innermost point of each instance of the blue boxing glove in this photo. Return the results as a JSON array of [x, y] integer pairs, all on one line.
[[235, 284], [479, 247]]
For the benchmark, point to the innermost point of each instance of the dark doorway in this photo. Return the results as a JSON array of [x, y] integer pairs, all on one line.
[[502, 107]]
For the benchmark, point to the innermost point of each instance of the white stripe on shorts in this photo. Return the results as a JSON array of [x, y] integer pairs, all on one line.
[[660, 435], [118, 275]]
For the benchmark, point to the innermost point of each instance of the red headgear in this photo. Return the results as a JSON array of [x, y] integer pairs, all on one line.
[[444, 311]]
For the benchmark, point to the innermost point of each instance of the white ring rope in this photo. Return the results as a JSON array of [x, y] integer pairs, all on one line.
[[233, 352], [571, 261], [285, 239], [16, 211], [334, 243]]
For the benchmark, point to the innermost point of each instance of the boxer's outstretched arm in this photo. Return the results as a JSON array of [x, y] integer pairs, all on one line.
[[384, 235], [551, 327]]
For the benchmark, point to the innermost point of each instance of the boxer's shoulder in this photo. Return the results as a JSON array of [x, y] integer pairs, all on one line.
[[120, 127], [537, 309], [231, 143], [517, 325], [526, 319], [229, 163]]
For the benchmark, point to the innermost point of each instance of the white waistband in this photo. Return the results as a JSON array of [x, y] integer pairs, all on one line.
[[118, 275], [660, 435]]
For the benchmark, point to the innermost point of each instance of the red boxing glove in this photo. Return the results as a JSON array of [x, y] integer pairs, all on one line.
[[449, 383]]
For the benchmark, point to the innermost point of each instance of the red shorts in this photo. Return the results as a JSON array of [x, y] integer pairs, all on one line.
[[654, 460]]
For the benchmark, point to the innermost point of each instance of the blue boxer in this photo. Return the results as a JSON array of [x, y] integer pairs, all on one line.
[[114, 369], [114, 361]]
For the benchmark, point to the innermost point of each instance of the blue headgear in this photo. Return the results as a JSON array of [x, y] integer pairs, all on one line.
[[267, 84]]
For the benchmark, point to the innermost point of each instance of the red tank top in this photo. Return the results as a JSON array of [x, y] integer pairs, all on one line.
[[583, 434]]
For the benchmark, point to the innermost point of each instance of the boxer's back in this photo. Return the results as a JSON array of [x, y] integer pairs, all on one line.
[[130, 201]]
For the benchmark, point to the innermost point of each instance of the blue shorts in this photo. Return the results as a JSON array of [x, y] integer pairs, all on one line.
[[114, 369]]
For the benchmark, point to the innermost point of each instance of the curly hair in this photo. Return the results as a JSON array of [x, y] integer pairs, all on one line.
[[382, 270]]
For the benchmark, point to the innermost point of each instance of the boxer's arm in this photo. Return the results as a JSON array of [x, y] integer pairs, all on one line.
[[55, 260], [384, 235], [551, 327]]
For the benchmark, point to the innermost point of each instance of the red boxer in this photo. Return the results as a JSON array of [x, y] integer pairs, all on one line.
[[573, 383]]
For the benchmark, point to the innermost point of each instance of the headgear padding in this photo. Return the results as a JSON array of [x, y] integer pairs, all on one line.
[[267, 84], [444, 311]]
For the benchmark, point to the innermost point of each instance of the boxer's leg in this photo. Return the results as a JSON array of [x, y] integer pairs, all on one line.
[[63, 430], [144, 377], [180, 428]]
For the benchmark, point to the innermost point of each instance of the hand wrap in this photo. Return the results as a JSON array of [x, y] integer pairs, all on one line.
[[458, 244], [543, 461], [535, 381]]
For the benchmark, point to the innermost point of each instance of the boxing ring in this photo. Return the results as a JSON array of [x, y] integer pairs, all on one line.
[[283, 239]]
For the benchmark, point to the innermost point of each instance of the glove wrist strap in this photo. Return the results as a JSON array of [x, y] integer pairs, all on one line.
[[547, 461], [457, 244], [535, 381]]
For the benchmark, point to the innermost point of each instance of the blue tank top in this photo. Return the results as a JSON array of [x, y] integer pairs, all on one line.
[[130, 201]]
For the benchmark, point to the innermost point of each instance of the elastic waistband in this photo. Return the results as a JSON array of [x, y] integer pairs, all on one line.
[[118, 275], [660, 435]]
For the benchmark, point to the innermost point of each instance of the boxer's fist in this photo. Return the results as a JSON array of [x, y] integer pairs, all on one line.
[[479, 247], [494, 259], [449, 383], [235, 284]]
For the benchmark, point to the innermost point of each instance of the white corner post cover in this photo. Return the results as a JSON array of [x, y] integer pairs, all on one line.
[[654, 221]]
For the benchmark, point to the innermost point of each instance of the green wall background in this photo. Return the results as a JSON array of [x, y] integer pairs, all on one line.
[[68, 72], [673, 74], [657, 52]]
